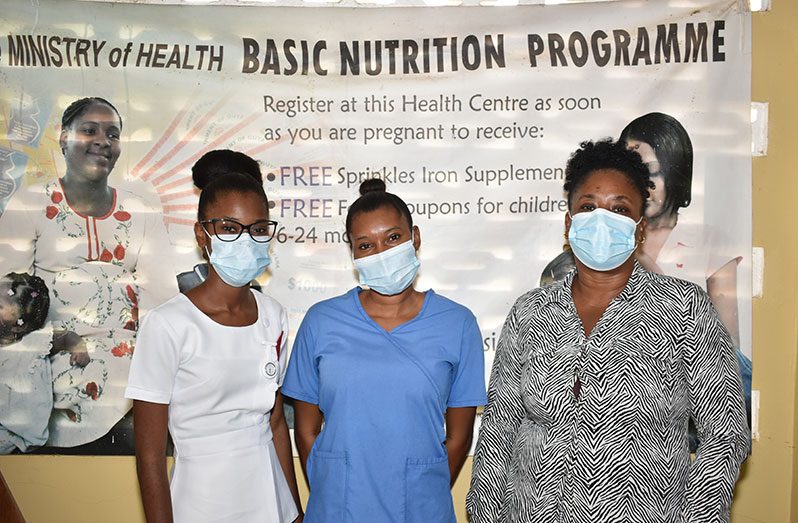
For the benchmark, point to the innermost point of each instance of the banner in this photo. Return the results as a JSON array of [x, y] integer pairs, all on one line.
[[469, 114]]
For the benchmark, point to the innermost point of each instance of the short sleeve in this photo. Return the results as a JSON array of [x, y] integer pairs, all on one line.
[[154, 267], [468, 386], [155, 361], [302, 377]]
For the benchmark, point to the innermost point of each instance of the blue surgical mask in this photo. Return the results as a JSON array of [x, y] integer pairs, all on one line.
[[240, 261], [389, 272], [602, 240]]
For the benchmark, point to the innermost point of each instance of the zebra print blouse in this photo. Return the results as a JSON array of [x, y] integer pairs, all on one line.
[[594, 429]]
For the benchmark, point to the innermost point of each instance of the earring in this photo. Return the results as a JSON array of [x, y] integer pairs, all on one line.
[[642, 240]]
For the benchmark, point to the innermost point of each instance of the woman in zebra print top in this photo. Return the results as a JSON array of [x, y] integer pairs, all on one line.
[[596, 377]]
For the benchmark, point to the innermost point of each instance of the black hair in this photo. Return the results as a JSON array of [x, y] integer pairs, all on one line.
[[606, 154], [226, 183], [223, 161], [373, 196], [78, 107], [33, 298], [674, 151]]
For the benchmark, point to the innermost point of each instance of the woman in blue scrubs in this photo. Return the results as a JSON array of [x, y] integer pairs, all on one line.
[[384, 367]]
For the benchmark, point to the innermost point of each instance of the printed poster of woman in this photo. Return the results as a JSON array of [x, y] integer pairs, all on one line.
[[103, 253]]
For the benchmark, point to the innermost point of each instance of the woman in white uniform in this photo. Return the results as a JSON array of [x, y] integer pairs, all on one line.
[[208, 366]]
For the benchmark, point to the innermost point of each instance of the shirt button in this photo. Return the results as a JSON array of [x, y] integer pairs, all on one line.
[[270, 369]]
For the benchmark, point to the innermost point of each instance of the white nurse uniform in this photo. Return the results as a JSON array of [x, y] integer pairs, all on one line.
[[220, 384]]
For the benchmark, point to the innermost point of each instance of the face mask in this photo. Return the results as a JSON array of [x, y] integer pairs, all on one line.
[[389, 272], [601, 239], [240, 261]]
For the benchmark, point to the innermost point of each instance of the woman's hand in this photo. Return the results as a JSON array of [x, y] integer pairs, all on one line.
[[459, 433], [307, 426], [76, 346], [79, 359], [64, 340], [282, 445]]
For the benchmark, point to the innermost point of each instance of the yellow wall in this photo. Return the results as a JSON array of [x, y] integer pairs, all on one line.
[[766, 491], [97, 489]]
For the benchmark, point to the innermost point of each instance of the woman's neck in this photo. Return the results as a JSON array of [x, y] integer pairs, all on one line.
[[391, 311], [225, 304], [394, 305], [592, 291], [89, 197], [221, 296], [596, 289]]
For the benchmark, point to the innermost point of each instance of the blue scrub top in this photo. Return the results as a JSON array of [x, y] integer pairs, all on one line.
[[380, 456]]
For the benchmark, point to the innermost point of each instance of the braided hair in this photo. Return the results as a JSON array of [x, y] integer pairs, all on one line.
[[33, 298], [77, 108]]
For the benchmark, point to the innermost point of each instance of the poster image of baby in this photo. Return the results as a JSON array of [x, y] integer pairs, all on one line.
[[29, 351]]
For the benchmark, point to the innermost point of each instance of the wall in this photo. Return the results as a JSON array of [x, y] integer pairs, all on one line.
[[767, 491], [89, 489]]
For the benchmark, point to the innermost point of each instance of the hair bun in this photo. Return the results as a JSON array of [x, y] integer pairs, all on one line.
[[372, 185], [201, 179], [224, 161]]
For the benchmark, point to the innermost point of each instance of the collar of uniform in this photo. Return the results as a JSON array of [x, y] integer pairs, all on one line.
[[560, 291], [634, 289]]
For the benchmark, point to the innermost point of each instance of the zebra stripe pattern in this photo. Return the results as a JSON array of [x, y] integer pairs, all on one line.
[[595, 429]]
